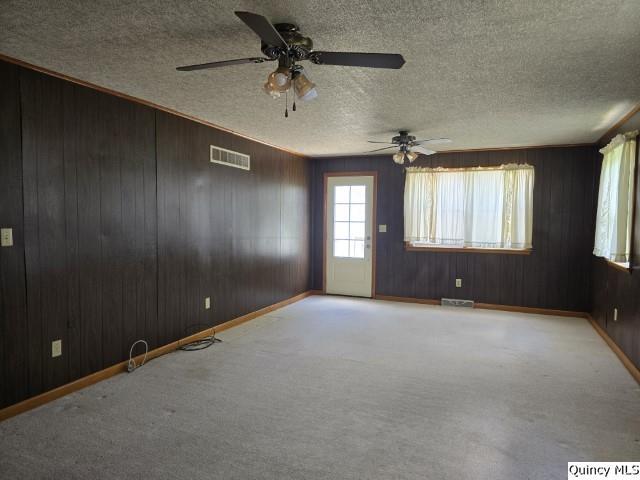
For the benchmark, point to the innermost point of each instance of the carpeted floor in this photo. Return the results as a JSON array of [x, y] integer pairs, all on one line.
[[339, 388]]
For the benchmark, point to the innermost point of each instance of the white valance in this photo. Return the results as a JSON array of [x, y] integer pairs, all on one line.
[[490, 207]]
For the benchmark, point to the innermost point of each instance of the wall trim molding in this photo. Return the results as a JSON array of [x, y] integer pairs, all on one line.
[[490, 306], [62, 76], [141, 101], [121, 367], [618, 124], [462, 150], [532, 310], [626, 361]]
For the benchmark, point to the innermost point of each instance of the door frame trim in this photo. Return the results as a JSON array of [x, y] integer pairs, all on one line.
[[374, 224]]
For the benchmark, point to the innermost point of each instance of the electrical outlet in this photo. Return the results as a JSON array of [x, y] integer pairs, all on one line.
[[458, 282], [56, 348], [615, 314], [382, 228], [207, 303], [6, 237]]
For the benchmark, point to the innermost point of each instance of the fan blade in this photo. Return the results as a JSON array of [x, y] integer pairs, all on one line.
[[380, 149], [422, 150], [224, 63], [350, 59], [263, 28], [432, 141], [374, 141]]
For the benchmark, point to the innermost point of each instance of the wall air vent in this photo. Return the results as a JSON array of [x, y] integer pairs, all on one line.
[[455, 302], [229, 158]]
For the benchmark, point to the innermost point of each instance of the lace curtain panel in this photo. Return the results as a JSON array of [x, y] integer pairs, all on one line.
[[479, 207]]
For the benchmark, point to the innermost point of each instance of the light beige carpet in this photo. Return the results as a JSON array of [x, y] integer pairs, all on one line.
[[340, 388]]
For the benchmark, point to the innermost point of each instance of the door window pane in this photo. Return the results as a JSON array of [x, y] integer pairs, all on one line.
[[341, 230], [342, 194], [356, 231], [358, 194], [357, 213], [341, 248], [341, 213]]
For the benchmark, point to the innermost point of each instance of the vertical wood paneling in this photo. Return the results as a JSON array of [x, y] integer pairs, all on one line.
[[548, 278], [239, 237], [45, 228], [74, 323], [612, 288], [127, 226], [13, 311]]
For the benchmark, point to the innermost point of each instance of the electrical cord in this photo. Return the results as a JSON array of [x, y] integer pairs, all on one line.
[[131, 366], [201, 343]]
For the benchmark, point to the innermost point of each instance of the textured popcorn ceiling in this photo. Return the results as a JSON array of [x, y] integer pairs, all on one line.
[[484, 73]]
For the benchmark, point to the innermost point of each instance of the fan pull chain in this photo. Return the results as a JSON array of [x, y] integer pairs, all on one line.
[[286, 104]]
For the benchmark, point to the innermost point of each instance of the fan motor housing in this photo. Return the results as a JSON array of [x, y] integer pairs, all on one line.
[[404, 138], [299, 46]]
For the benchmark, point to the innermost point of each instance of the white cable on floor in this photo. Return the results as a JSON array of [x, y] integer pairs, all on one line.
[[131, 366]]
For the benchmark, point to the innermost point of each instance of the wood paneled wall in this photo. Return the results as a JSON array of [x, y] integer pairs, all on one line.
[[556, 275], [14, 339], [617, 289], [122, 227]]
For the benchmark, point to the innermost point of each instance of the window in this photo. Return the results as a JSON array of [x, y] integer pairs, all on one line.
[[349, 221], [490, 208], [615, 200]]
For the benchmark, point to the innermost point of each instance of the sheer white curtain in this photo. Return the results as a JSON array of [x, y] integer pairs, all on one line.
[[615, 199], [474, 207]]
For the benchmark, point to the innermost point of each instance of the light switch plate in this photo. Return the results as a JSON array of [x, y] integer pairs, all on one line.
[[382, 228], [207, 303], [458, 282], [6, 237], [56, 348]]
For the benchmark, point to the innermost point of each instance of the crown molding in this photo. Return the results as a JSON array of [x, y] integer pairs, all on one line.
[[141, 101], [618, 124]]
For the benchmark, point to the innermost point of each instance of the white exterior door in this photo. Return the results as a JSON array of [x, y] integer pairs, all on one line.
[[349, 245]]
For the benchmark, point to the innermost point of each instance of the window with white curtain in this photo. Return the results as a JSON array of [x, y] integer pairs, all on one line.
[[615, 199], [483, 207]]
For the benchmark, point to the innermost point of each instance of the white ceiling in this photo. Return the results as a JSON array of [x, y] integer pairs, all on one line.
[[485, 73]]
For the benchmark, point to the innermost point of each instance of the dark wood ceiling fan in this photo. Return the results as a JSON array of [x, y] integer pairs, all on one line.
[[285, 43], [408, 147]]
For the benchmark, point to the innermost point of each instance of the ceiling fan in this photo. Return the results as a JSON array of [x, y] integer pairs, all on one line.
[[284, 42], [409, 147]]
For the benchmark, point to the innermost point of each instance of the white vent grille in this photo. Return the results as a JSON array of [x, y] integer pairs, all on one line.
[[229, 158], [455, 302]]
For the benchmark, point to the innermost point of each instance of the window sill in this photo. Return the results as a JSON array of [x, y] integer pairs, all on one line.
[[504, 251], [623, 267]]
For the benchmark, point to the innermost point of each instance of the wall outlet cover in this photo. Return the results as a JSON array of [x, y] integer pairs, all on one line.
[[56, 348], [6, 237], [458, 282], [382, 228], [207, 303]]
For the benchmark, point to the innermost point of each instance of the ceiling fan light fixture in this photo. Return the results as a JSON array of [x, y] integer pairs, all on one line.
[[280, 79], [398, 157], [305, 89], [269, 90], [412, 156]]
